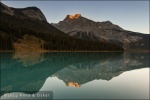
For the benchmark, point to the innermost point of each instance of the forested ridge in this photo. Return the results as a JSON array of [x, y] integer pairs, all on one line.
[[13, 28]]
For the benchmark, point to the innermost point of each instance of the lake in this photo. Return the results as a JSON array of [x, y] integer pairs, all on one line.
[[77, 75]]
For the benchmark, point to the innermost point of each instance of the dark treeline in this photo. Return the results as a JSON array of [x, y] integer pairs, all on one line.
[[6, 41], [13, 28]]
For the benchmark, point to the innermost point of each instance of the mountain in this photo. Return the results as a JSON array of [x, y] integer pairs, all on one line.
[[29, 12], [27, 29], [83, 28]]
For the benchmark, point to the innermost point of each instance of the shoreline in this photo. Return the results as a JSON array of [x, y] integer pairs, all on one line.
[[73, 51]]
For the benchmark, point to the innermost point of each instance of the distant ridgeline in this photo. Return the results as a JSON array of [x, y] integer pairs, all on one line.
[[28, 29]]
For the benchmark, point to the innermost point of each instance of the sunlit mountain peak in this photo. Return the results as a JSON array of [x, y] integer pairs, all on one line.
[[74, 16]]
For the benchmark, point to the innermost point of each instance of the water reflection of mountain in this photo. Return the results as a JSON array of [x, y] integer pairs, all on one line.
[[28, 72], [102, 68]]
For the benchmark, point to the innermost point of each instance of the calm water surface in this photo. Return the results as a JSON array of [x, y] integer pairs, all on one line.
[[106, 75]]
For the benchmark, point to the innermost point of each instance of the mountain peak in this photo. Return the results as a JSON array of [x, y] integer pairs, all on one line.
[[28, 12], [75, 16]]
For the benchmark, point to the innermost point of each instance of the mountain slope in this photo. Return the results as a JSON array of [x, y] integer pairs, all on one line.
[[29, 12], [16, 23], [81, 27]]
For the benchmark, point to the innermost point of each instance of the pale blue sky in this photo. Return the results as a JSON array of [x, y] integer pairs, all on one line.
[[130, 15]]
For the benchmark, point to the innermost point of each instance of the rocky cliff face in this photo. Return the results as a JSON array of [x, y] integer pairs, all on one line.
[[33, 13], [81, 27], [6, 9]]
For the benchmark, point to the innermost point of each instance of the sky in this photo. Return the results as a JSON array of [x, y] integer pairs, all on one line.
[[130, 15]]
